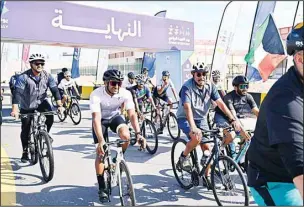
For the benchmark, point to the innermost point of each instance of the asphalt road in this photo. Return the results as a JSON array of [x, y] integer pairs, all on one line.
[[74, 182]]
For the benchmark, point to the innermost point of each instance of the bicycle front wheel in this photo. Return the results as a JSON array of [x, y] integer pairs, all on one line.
[[229, 187], [149, 132], [46, 157], [75, 113], [126, 189]]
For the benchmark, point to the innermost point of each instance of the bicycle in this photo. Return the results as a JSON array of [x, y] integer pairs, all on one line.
[[114, 168], [241, 150], [40, 143], [218, 161], [72, 109], [166, 118], [148, 130]]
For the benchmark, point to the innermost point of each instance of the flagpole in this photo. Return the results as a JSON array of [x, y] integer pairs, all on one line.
[[22, 58], [293, 23], [97, 64], [256, 11], [295, 16], [217, 36]]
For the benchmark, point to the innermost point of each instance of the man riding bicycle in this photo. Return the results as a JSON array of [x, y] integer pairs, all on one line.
[[147, 80], [195, 99], [66, 87], [105, 104], [160, 92], [141, 93], [275, 154], [31, 93], [240, 103], [130, 81]]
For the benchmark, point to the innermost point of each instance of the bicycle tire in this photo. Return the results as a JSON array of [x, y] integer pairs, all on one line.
[[186, 187], [239, 171], [154, 134], [33, 148], [46, 176], [169, 128], [71, 113], [63, 116], [124, 167]]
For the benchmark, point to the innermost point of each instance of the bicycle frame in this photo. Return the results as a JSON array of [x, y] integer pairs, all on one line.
[[164, 116]]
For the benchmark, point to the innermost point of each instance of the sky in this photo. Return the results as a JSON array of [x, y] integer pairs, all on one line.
[[206, 16]]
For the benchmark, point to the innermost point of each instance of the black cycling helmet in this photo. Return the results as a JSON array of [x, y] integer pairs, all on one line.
[[200, 67], [64, 70], [113, 74], [295, 39], [145, 69], [240, 79], [165, 73], [131, 75]]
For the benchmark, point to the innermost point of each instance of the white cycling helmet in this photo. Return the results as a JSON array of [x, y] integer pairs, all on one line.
[[67, 73], [36, 56]]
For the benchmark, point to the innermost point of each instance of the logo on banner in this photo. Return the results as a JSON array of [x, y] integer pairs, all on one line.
[[4, 21], [178, 35]]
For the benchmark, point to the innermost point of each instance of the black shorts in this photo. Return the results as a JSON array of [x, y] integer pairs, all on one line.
[[61, 92], [115, 123]]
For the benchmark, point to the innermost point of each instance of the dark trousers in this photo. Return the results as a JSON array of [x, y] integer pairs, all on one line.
[[26, 122]]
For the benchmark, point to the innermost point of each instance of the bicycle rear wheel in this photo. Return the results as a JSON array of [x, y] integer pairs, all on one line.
[[172, 125], [149, 133], [126, 189], [46, 157], [225, 184], [74, 113]]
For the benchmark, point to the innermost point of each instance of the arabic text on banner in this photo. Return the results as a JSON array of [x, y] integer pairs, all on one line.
[[149, 58], [225, 38]]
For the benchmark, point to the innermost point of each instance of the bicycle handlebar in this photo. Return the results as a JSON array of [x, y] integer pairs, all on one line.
[[38, 114]]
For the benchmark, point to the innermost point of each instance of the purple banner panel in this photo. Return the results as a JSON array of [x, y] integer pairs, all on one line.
[[64, 22]]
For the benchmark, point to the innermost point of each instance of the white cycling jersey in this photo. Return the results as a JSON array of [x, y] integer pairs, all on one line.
[[65, 84], [110, 106]]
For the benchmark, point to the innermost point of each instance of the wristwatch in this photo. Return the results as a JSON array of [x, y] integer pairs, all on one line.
[[137, 133]]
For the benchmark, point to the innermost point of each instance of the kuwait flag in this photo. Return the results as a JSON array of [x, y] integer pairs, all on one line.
[[266, 53]]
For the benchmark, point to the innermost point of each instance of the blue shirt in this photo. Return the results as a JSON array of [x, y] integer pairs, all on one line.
[[31, 91], [141, 94], [200, 99]]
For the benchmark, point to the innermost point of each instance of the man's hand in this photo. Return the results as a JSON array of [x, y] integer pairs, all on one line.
[[15, 111], [99, 149], [196, 131], [141, 141], [60, 109], [245, 135], [78, 97], [237, 126]]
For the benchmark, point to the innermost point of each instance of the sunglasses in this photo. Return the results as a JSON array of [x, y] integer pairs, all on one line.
[[201, 74], [243, 86], [114, 83], [37, 64], [68, 76]]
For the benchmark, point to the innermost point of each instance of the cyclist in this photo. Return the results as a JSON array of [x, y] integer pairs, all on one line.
[[130, 81], [216, 79], [140, 93], [66, 87], [31, 93], [148, 81], [240, 103], [275, 172], [195, 99], [105, 104], [60, 75]]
